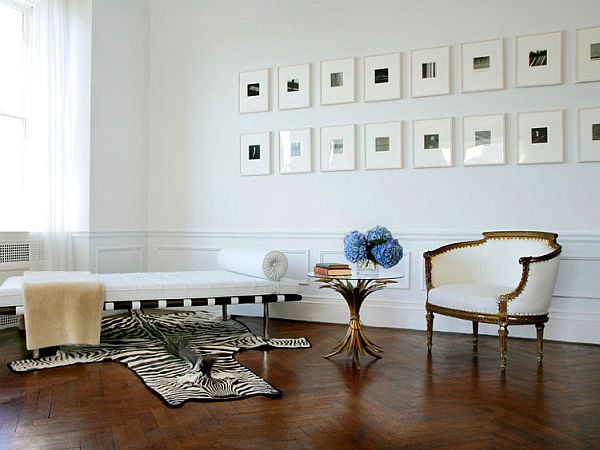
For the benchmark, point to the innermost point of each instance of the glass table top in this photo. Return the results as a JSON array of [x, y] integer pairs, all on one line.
[[355, 276]]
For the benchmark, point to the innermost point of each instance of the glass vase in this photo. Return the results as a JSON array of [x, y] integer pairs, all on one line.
[[366, 267]]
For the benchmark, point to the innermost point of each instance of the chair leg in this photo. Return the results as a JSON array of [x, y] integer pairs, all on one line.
[[475, 334], [266, 320], [429, 316], [225, 315], [539, 327], [503, 333]]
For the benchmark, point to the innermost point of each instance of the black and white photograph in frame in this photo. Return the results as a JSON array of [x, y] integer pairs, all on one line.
[[540, 137], [382, 77], [432, 143], [589, 135], [588, 55], [255, 154], [483, 65], [430, 72], [294, 86], [383, 145], [338, 148], [254, 91], [295, 151], [539, 59], [337, 81], [483, 140]]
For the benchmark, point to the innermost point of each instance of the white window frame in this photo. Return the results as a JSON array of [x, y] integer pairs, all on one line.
[[24, 113]]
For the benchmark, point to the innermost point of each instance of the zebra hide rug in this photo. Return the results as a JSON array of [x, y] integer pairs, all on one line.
[[180, 356]]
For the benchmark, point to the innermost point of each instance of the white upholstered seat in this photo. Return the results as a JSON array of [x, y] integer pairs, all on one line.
[[504, 278], [474, 297]]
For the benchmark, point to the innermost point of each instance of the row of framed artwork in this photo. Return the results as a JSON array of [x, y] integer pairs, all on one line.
[[538, 62], [540, 140]]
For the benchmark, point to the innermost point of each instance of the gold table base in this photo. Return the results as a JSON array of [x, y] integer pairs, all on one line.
[[355, 343]]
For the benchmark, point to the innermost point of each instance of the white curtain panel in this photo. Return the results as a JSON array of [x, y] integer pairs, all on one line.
[[50, 154]]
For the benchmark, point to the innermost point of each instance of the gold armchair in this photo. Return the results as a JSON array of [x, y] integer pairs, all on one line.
[[494, 280]]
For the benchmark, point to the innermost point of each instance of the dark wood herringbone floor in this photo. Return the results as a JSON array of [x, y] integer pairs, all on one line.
[[455, 399]]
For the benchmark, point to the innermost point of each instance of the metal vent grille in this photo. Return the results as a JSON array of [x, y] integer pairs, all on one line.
[[9, 321], [14, 253]]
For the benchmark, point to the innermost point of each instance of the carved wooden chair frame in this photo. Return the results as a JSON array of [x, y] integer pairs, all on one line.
[[502, 318]]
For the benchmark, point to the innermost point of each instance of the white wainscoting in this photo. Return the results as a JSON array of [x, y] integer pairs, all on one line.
[[575, 311], [574, 315]]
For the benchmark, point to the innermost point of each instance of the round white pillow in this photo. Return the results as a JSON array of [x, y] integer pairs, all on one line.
[[268, 264]]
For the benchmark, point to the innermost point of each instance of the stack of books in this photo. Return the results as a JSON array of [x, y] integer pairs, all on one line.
[[333, 269]]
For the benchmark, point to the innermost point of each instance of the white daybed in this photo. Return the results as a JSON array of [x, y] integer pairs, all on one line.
[[252, 276]]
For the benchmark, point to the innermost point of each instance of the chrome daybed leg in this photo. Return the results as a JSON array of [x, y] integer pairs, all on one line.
[[36, 353], [225, 316], [266, 321]]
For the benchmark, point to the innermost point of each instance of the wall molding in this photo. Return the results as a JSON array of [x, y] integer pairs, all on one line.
[[141, 250]]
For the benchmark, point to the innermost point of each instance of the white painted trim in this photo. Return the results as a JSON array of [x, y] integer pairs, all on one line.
[[140, 249]]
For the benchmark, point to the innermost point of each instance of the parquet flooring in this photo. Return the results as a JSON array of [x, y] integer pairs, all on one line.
[[455, 399]]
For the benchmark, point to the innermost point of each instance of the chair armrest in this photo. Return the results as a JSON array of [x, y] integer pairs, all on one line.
[[536, 286], [447, 255]]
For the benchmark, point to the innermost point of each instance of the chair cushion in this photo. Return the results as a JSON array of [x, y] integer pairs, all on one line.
[[473, 297]]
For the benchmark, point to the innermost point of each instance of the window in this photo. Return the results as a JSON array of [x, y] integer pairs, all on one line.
[[14, 90]]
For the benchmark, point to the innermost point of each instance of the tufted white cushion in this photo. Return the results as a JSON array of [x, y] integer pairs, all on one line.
[[268, 264], [167, 285]]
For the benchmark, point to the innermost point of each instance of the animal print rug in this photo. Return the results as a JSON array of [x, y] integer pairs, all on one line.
[[180, 356]]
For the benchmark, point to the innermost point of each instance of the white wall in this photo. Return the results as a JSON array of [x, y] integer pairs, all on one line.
[[198, 49], [198, 202], [119, 115], [80, 46]]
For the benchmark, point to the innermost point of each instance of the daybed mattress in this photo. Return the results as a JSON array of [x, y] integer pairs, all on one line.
[[168, 285]]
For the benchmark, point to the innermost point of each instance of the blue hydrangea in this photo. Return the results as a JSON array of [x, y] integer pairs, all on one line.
[[355, 246], [378, 235], [388, 254]]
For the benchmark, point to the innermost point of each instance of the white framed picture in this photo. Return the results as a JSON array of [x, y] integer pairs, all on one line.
[[254, 91], [432, 143], [255, 154], [337, 81], [483, 140], [483, 65], [338, 149], [295, 151], [588, 54], [430, 71], [383, 77], [540, 137], [383, 145], [294, 86], [539, 59], [589, 134]]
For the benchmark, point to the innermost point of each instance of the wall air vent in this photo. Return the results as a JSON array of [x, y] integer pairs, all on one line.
[[14, 252]]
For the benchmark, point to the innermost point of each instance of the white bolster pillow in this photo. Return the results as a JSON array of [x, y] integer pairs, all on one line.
[[268, 264]]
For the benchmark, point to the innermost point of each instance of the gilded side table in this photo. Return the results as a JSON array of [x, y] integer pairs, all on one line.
[[355, 289]]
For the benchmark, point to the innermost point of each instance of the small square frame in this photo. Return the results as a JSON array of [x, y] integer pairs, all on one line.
[[254, 103], [289, 162], [483, 79], [336, 162], [432, 157], [548, 73], [295, 99], [385, 87], [261, 165], [345, 93], [588, 69], [548, 151], [476, 153], [390, 159], [589, 149], [439, 82]]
